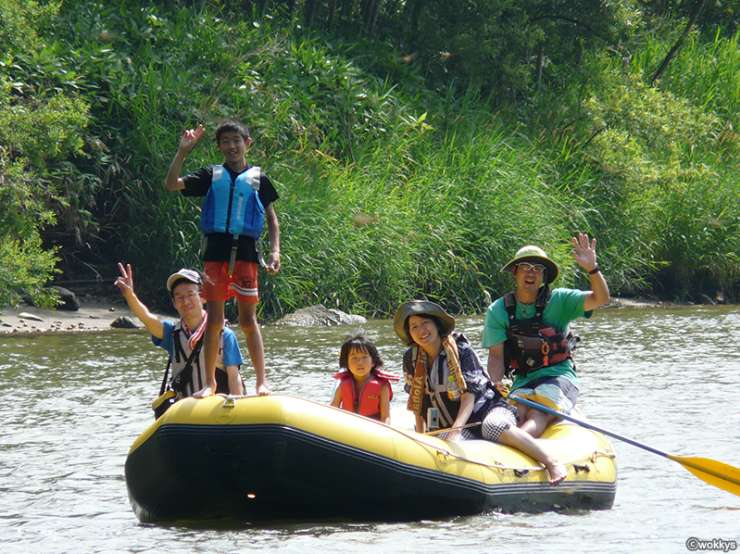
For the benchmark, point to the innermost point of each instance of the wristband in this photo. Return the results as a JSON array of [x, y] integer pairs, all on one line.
[[595, 270]]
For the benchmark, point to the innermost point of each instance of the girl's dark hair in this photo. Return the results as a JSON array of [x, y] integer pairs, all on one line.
[[231, 126], [437, 324], [363, 344]]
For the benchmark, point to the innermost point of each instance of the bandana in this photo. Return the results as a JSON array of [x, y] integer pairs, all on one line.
[[194, 336]]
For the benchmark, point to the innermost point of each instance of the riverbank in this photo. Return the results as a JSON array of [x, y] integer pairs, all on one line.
[[97, 314], [100, 314]]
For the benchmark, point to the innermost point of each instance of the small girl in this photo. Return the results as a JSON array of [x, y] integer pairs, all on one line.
[[365, 389]]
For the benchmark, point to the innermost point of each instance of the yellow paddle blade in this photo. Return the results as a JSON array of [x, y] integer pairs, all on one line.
[[718, 474]]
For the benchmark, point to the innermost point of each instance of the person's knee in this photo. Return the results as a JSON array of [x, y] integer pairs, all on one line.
[[492, 430], [537, 423], [496, 423], [540, 419], [248, 322]]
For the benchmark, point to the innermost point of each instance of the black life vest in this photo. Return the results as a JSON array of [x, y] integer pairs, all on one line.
[[189, 378], [530, 343]]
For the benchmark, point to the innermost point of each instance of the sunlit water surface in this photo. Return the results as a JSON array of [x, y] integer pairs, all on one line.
[[73, 404]]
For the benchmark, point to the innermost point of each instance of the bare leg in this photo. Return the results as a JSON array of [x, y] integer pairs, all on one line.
[[521, 440], [214, 327], [250, 327], [536, 423], [522, 412]]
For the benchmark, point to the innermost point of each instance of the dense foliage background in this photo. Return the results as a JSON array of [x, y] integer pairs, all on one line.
[[415, 144]]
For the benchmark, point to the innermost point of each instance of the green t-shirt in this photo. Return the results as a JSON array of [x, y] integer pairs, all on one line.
[[564, 306]]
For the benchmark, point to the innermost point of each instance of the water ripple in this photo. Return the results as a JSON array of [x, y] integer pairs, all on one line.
[[666, 377]]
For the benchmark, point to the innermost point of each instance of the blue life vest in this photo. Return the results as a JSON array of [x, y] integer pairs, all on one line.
[[233, 207]]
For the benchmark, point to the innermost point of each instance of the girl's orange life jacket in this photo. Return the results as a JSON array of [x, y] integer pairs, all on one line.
[[367, 402]]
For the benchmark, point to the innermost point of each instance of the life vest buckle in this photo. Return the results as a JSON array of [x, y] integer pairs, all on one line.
[[232, 254]]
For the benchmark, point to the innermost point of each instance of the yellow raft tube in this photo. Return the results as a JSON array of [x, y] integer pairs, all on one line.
[[276, 457]]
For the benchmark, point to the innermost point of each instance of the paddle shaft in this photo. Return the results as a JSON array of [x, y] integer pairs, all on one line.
[[547, 410], [448, 429], [717, 474]]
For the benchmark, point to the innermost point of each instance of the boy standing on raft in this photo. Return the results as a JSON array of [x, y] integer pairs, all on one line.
[[238, 200], [526, 331]]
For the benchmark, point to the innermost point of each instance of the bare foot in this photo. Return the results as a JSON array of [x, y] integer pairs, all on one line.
[[203, 393], [558, 472]]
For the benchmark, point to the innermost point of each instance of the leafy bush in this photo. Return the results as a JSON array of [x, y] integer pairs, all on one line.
[[662, 172], [396, 177]]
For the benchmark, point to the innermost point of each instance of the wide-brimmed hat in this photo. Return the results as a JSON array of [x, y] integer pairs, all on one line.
[[421, 307], [533, 254], [187, 274]]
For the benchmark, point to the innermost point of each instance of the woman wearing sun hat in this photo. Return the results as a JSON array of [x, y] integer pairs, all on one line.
[[447, 386], [526, 331]]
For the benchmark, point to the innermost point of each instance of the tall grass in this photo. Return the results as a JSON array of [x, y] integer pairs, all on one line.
[[706, 71], [390, 190], [655, 168], [377, 205], [365, 239]]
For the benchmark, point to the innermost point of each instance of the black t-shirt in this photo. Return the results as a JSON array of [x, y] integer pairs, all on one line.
[[218, 245]]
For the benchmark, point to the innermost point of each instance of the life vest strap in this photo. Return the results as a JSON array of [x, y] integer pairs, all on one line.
[[530, 343]]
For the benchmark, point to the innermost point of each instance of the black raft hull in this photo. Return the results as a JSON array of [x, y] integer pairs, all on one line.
[[286, 458]]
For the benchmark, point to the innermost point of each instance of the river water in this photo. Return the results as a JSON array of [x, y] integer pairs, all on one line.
[[667, 377]]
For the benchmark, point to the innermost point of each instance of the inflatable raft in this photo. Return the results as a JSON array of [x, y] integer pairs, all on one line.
[[276, 457]]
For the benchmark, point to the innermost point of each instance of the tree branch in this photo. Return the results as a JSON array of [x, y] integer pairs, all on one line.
[[674, 49]]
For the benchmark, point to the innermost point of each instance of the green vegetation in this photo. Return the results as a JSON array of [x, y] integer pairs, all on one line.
[[414, 163]]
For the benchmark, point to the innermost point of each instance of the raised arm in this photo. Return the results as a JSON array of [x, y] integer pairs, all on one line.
[[125, 284], [188, 140], [584, 253]]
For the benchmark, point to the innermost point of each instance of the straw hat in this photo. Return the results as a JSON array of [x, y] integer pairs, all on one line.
[[533, 254], [421, 307]]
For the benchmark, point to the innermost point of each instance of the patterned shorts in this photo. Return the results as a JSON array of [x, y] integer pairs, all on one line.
[[501, 417], [555, 392], [465, 434]]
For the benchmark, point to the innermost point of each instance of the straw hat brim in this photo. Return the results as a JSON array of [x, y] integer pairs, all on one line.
[[552, 268], [420, 307]]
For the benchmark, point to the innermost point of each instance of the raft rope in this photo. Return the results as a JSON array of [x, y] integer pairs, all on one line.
[[518, 471], [446, 453], [229, 402]]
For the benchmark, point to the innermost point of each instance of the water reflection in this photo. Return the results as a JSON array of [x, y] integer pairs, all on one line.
[[74, 404]]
